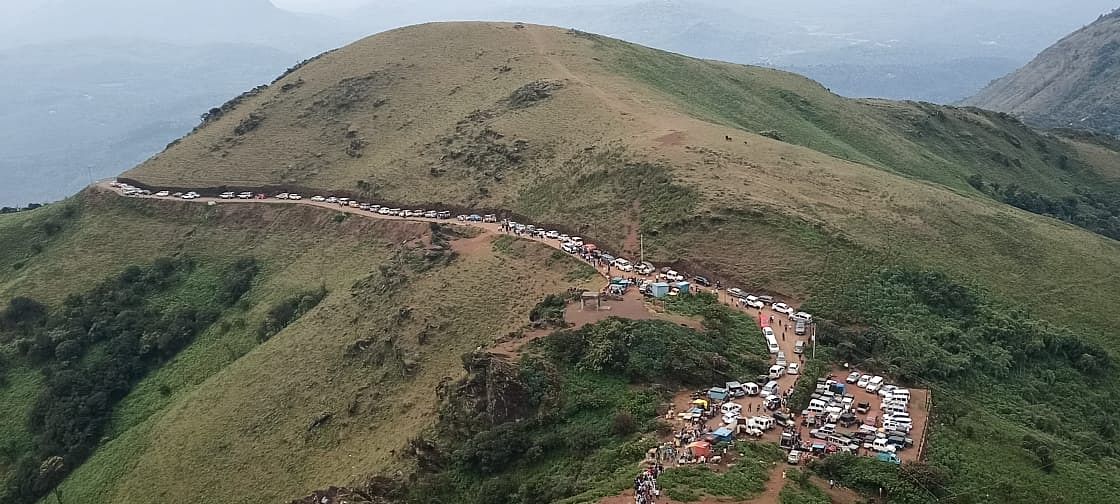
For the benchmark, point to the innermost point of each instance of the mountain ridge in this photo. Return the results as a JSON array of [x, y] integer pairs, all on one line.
[[1070, 84]]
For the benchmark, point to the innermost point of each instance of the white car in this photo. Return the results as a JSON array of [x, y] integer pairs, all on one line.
[[874, 384], [853, 377], [330, 199], [754, 302], [623, 265], [226, 195], [793, 368], [776, 371], [282, 195], [245, 195], [886, 390], [189, 195], [163, 194], [295, 197], [552, 234], [318, 198], [577, 241], [736, 292], [782, 308], [862, 383], [563, 238]]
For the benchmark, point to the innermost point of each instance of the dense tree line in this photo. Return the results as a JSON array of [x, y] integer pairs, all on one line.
[[1097, 211], [289, 310], [93, 349]]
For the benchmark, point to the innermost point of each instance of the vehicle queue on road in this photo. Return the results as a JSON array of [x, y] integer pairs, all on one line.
[[830, 407]]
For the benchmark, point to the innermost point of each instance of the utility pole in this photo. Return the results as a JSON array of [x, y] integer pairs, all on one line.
[[641, 248]]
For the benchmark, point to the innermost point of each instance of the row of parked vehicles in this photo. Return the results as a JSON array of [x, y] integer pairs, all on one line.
[[570, 244], [130, 190]]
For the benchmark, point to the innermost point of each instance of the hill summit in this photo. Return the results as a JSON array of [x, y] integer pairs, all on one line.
[[1074, 83]]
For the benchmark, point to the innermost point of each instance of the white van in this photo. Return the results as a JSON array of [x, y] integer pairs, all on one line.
[[761, 423], [874, 383], [894, 409], [799, 347], [771, 341], [901, 393], [817, 406], [777, 371], [771, 388], [751, 388], [881, 445], [730, 409], [781, 359]]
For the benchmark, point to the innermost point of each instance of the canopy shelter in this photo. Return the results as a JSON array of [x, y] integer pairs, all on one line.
[[590, 296], [722, 434], [700, 449]]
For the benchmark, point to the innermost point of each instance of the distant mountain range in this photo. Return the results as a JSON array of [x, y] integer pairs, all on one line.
[[1074, 83]]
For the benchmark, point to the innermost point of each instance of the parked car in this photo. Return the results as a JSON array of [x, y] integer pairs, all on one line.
[[553, 234], [623, 265], [863, 407], [282, 195], [318, 198], [781, 359], [799, 347], [754, 302], [794, 457], [163, 194], [776, 371], [489, 218], [245, 195], [793, 368], [736, 292], [699, 280], [874, 384], [853, 377], [862, 383], [226, 195], [782, 308], [295, 197]]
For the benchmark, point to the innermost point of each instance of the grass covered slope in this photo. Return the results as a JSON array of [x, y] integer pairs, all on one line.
[[274, 406], [610, 138]]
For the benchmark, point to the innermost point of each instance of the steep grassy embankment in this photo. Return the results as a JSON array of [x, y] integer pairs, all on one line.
[[370, 354]]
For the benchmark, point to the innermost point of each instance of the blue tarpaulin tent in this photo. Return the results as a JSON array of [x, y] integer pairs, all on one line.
[[717, 393], [683, 287], [722, 434], [660, 289]]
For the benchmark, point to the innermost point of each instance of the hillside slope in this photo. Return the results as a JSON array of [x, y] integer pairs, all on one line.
[[234, 403], [609, 138], [1073, 83]]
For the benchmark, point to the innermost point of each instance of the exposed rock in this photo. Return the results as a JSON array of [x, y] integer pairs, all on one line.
[[533, 93]]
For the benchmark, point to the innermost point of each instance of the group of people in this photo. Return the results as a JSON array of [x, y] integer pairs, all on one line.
[[645, 485], [690, 434]]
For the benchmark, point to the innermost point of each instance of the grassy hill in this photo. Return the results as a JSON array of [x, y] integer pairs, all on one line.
[[610, 138], [1072, 83], [869, 211]]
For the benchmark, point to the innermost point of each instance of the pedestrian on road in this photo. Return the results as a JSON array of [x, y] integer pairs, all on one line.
[[831, 483]]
